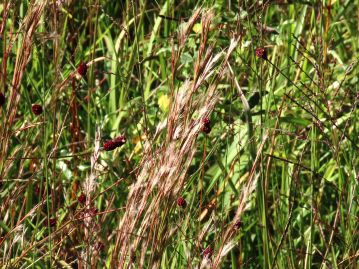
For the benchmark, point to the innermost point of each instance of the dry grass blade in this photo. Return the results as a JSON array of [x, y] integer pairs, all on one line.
[[178, 134], [29, 26]]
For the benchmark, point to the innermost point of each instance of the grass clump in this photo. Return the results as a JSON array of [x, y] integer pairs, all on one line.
[[166, 134]]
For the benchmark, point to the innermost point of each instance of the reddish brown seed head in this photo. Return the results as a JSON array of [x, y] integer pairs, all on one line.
[[82, 198], [261, 53], [181, 202], [82, 69], [37, 109], [2, 99], [208, 252], [52, 222]]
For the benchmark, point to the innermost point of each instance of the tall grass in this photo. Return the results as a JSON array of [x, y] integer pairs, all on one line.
[[240, 122]]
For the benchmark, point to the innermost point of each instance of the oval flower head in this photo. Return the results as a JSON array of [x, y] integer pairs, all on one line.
[[114, 143], [261, 53], [120, 140], [82, 198], [82, 69], [181, 202], [206, 125], [37, 109], [110, 145]]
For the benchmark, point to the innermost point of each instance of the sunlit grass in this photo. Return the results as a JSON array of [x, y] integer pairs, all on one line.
[[177, 134]]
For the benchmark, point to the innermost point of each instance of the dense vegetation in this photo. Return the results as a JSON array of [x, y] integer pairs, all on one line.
[[179, 134]]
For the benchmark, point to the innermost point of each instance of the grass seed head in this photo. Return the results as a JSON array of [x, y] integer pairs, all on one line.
[[37, 109]]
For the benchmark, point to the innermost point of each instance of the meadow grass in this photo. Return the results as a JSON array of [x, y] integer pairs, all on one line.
[[179, 134]]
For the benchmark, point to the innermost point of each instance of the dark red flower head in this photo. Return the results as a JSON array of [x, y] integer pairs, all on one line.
[[120, 140], [36, 109], [181, 202], [208, 252], [261, 53], [110, 145], [206, 122], [114, 143], [52, 222], [82, 198], [206, 129], [82, 69], [2, 99]]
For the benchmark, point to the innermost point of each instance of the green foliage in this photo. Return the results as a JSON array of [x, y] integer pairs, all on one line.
[[293, 130]]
